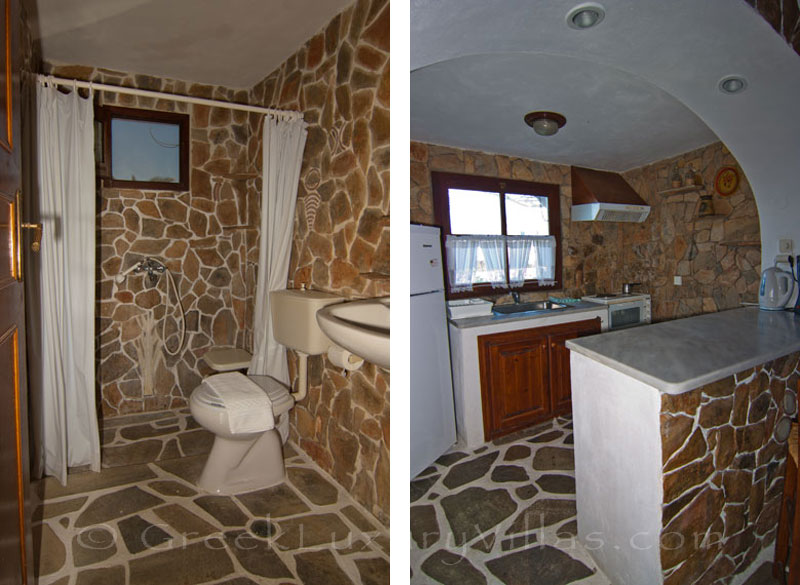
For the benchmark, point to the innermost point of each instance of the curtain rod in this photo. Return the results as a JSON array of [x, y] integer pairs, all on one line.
[[290, 114]]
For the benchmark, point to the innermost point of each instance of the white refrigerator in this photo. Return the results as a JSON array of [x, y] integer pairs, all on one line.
[[433, 426]]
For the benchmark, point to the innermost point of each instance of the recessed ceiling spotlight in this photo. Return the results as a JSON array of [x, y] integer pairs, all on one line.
[[545, 123], [732, 84], [586, 15]]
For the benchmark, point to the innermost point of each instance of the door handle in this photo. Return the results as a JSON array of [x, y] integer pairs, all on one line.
[[36, 245], [17, 235]]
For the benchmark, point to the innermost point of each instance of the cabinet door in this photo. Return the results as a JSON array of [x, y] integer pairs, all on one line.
[[514, 380], [560, 383], [525, 377]]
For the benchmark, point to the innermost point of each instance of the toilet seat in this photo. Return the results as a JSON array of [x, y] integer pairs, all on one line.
[[278, 394]]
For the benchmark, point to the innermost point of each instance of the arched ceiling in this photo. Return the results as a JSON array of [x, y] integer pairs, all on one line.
[[681, 48], [615, 121]]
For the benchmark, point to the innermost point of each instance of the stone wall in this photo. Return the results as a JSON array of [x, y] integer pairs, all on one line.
[[783, 16], [208, 237], [723, 472], [717, 257], [340, 80], [194, 232]]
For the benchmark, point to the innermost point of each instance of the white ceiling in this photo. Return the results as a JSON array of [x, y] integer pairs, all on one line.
[[234, 43], [478, 67]]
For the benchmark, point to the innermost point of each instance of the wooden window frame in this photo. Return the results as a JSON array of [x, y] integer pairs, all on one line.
[[442, 182], [105, 114]]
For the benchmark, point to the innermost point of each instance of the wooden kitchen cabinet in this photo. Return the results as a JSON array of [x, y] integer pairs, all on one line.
[[525, 375]]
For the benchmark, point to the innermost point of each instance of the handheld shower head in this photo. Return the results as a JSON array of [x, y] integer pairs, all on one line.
[[120, 278]]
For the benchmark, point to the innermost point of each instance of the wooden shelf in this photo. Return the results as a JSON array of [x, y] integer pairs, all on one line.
[[677, 190]]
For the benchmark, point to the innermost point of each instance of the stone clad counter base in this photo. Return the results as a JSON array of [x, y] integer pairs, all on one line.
[[679, 489], [723, 473]]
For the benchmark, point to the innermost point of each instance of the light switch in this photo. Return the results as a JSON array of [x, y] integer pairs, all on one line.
[[677, 281]]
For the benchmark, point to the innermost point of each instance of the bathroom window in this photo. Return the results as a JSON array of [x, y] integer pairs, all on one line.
[[500, 235], [142, 149]]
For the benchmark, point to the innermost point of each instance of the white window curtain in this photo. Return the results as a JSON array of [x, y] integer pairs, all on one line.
[[283, 145], [462, 255], [531, 257], [66, 178], [472, 259], [544, 253], [519, 251], [494, 252]]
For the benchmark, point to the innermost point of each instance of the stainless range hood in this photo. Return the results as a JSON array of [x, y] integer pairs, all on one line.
[[605, 196]]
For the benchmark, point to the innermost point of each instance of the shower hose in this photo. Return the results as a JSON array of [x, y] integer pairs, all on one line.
[[171, 281], [153, 266]]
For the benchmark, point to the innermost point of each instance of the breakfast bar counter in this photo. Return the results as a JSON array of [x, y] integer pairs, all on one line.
[[676, 356], [679, 445]]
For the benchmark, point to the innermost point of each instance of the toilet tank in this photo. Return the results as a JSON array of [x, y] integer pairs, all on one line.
[[294, 319]]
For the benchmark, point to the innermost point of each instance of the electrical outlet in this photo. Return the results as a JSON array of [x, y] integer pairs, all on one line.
[[785, 246], [677, 280]]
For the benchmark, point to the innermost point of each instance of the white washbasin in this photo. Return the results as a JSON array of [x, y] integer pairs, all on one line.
[[361, 327]]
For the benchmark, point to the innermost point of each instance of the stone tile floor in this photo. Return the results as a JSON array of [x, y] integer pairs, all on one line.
[[152, 436], [147, 524], [505, 513]]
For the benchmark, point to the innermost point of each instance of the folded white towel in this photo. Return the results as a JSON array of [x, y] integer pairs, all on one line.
[[248, 406]]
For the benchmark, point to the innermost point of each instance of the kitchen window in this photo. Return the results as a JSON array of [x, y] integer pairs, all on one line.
[[500, 235]]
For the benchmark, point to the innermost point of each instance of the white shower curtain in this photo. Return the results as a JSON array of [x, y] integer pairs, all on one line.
[[283, 144], [65, 142]]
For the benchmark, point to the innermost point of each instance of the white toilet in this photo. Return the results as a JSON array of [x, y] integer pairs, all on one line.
[[245, 461]]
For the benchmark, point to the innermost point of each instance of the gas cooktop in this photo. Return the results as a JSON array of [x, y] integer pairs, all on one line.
[[607, 298]]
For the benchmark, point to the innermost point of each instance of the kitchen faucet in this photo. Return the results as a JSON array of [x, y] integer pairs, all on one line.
[[515, 296]]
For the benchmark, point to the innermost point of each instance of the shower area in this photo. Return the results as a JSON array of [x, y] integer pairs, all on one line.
[[174, 275], [206, 239]]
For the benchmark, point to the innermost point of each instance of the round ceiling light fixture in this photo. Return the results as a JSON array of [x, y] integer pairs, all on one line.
[[586, 15], [732, 84], [545, 123]]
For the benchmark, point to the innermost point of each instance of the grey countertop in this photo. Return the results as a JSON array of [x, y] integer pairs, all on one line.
[[495, 319], [676, 356]]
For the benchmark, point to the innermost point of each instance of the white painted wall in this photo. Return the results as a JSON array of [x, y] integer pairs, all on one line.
[[618, 475]]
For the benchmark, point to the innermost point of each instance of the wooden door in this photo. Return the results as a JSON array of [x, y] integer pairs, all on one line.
[[560, 383], [15, 549], [514, 380]]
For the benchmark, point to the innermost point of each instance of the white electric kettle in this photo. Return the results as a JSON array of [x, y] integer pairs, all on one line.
[[775, 290]]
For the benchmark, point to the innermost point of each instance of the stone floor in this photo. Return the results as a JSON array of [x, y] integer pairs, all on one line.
[[152, 436], [147, 524], [505, 513]]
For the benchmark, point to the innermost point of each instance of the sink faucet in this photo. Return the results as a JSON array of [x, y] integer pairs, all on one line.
[[515, 296]]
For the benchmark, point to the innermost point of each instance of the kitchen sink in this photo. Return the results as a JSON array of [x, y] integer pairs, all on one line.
[[527, 307]]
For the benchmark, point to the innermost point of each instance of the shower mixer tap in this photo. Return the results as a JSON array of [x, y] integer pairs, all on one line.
[[153, 267]]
